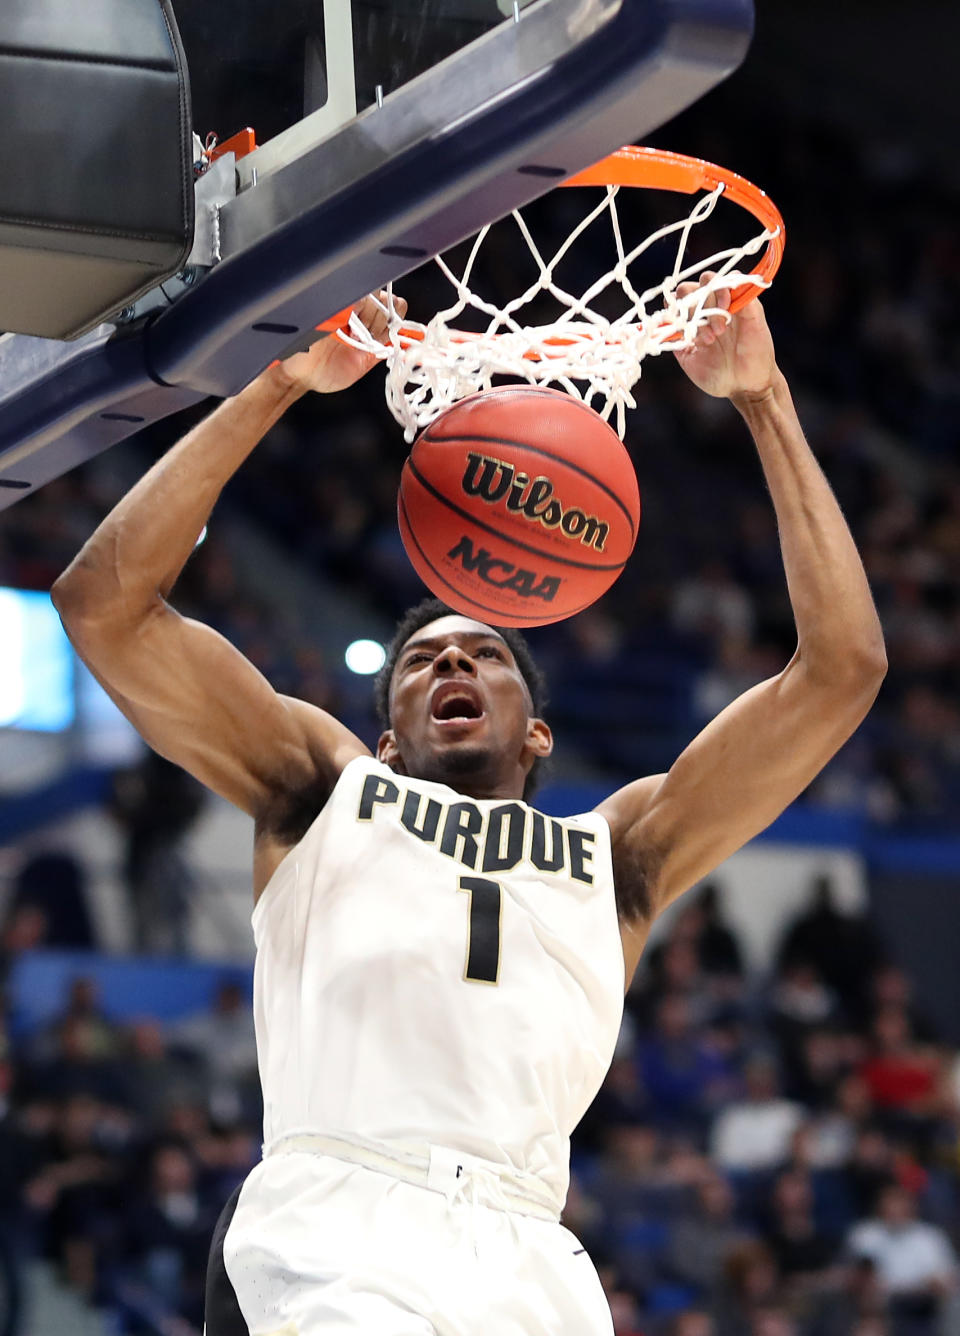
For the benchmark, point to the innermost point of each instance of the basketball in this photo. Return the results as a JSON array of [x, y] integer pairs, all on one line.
[[518, 506]]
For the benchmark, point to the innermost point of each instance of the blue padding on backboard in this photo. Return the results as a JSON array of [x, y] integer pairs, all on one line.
[[99, 392], [129, 986]]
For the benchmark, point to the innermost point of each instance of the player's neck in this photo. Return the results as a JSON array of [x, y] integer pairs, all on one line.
[[487, 792], [482, 786]]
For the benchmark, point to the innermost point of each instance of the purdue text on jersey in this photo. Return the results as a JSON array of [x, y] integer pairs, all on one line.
[[495, 840]]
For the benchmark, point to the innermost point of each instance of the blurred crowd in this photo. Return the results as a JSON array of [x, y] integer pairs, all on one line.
[[776, 1157], [120, 1141], [768, 1156], [865, 318]]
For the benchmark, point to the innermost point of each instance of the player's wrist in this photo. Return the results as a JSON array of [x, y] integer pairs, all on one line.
[[278, 382], [758, 398]]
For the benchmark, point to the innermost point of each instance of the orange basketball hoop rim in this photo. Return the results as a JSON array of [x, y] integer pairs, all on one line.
[[661, 169]]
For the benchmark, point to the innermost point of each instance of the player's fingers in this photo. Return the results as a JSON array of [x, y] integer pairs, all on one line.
[[715, 297], [712, 299], [376, 312], [378, 325], [370, 308], [373, 314]]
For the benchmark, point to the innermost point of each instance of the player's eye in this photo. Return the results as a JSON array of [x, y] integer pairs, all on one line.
[[490, 650], [422, 657]]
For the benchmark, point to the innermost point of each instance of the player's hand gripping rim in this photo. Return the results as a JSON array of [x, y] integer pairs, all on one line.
[[732, 356], [329, 364]]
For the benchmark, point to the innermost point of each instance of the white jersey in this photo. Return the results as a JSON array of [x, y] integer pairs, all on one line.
[[435, 969]]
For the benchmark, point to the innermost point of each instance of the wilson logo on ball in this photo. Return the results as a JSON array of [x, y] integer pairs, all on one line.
[[494, 480], [503, 574]]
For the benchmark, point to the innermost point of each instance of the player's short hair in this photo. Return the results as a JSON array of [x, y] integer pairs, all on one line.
[[430, 610]]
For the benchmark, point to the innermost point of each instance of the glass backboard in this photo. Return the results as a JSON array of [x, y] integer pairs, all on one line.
[[269, 65]]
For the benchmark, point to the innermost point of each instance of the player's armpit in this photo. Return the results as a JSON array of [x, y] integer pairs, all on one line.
[[737, 775], [195, 699]]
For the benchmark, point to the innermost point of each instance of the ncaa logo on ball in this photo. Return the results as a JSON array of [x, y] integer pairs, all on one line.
[[494, 480], [503, 574]]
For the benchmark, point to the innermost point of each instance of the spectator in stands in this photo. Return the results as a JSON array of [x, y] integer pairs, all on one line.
[[903, 1077], [74, 1062], [224, 1041], [773, 1321], [712, 604], [720, 953], [223, 1036], [818, 1069], [753, 1134], [804, 1251], [705, 1235], [694, 1322], [18, 1164], [871, 1169], [891, 986], [915, 1261], [701, 958], [750, 1286], [621, 1100], [800, 999], [683, 1078], [624, 1312], [55, 884], [167, 1235], [834, 1130], [24, 929], [678, 970], [856, 1300], [83, 1008], [154, 1079], [240, 1149], [841, 947], [72, 1193], [737, 665], [156, 804], [630, 1176], [800, 1004]]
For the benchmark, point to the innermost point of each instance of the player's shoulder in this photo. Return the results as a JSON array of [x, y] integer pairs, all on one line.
[[309, 779], [330, 745], [635, 857], [627, 806]]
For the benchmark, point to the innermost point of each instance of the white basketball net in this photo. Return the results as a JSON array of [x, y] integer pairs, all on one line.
[[431, 366]]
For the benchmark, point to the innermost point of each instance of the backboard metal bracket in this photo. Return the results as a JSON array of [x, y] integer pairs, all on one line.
[[329, 70]]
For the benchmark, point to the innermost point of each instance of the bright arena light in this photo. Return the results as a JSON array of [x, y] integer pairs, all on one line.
[[365, 656]]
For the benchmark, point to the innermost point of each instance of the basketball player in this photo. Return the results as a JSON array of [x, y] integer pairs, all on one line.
[[440, 968]]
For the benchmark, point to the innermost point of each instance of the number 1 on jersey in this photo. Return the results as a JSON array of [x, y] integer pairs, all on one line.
[[483, 930]]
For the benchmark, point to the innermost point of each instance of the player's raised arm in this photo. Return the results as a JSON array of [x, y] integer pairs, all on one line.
[[192, 696], [763, 750]]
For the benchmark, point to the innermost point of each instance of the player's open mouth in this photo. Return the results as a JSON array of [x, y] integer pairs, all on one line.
[[455, 703]]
